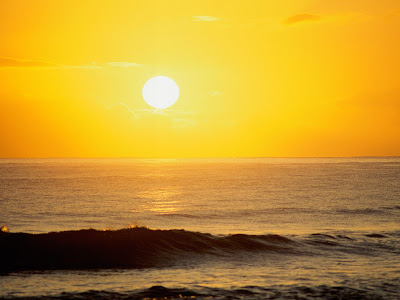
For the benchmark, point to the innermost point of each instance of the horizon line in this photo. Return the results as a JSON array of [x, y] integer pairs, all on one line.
[[197, 157]]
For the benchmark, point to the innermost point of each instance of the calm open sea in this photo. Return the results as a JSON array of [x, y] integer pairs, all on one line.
[[248, 228]]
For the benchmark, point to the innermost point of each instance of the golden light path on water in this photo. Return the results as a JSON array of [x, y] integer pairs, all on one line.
[[162, 201]]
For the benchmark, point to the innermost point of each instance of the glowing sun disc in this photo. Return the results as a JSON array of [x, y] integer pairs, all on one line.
[[160, 92]]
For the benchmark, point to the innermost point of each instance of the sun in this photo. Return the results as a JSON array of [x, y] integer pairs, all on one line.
[[160, 92]]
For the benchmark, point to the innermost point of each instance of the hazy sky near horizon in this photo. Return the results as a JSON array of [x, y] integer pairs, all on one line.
[[256, 78]]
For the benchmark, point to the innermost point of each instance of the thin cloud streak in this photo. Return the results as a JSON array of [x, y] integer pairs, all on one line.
[[216, 93], [205, 19], [301, 18], [6, 62], [178, 117], [123, 64]]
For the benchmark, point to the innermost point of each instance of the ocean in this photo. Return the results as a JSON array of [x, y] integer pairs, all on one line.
[[231, 228]]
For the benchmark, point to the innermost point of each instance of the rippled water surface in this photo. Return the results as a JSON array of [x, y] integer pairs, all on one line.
[[280, 228]]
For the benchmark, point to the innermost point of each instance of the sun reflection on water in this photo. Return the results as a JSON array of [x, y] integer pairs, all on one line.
[[162, 201]]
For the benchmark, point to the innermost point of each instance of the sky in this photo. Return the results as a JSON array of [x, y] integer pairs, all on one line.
[[290, 78]]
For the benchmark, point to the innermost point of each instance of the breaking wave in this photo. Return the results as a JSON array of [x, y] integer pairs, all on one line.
[[387, 290], [141, 247]]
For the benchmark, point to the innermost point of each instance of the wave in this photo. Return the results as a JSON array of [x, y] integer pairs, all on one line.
[[386, 290], [366, 211], [394, 207], [141, 247]]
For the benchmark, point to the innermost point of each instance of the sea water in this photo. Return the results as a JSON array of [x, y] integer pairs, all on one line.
[[222, 228]]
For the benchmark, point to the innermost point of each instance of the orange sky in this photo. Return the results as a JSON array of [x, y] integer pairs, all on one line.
[[256, 78]]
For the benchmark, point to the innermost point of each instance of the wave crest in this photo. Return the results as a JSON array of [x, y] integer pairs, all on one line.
[[137, 247], [141, 247]]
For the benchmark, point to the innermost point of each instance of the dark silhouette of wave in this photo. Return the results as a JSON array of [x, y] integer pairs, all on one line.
[[137, 247], [140, 247], [383, 291]]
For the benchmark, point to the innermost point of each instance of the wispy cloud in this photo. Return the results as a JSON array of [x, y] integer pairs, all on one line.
[[205, 18], [7, 62], [301, 18], [11, 62], [216, 93], [92, 66], [183, 123], [123, 64], [179, 118], [140, 113]]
